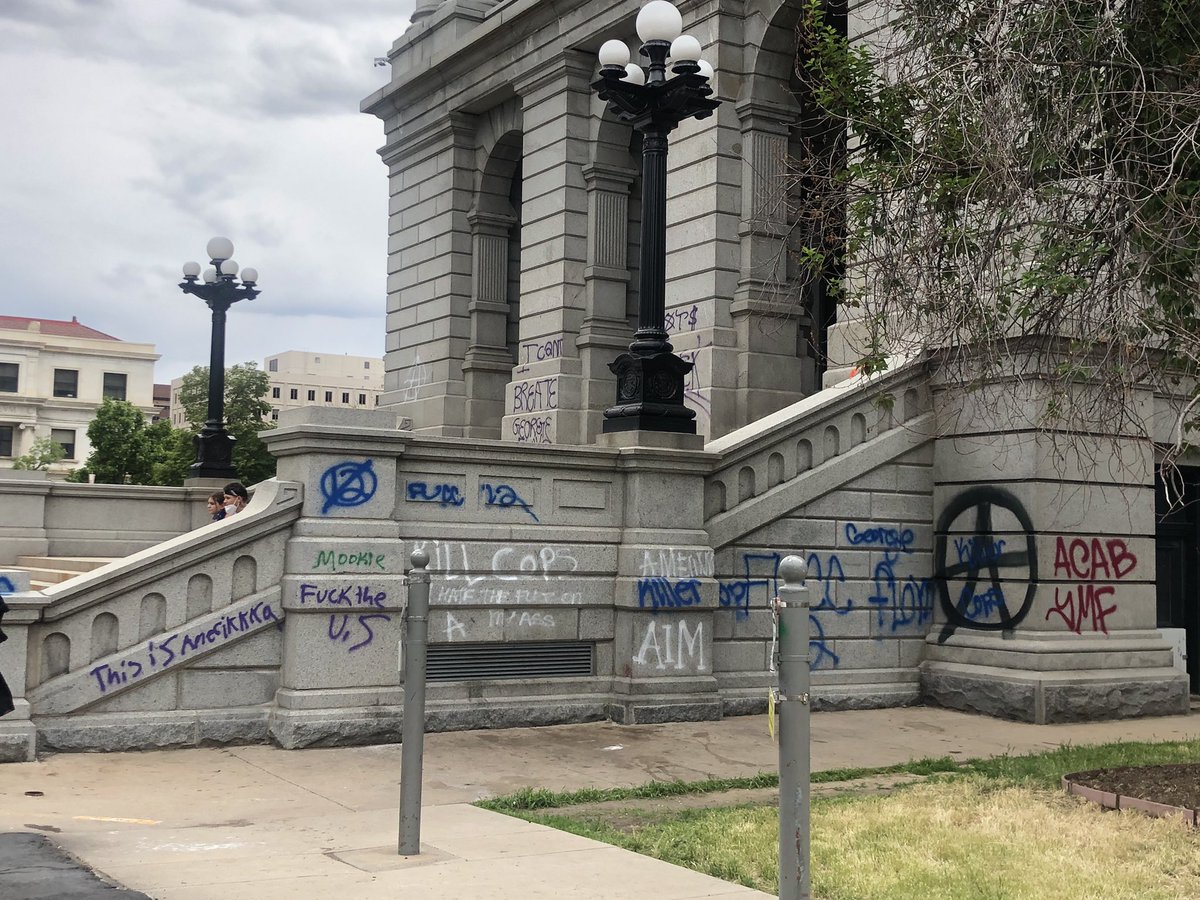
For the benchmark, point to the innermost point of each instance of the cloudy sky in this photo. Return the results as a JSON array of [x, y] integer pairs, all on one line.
[[134, 130]]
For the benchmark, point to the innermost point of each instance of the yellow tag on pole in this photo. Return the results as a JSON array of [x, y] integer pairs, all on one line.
[[771, 713]]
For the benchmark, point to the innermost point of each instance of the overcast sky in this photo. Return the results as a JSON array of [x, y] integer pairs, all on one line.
[[131, 131]]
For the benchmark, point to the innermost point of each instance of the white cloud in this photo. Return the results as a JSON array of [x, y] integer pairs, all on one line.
[[136, 130]]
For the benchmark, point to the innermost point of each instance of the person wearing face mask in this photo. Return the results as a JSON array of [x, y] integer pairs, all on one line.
[[236, 498]]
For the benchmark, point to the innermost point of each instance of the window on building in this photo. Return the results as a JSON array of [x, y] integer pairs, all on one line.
[[376, 399], [274, 415], [345, 397], [66, 383], [312, 395], [6, 440], [272, 365], [8, 377], [366, 364], [115, 384], [274, 393], [294, 394], [66, 437], [329, 396], [316, 359], [362, 399]]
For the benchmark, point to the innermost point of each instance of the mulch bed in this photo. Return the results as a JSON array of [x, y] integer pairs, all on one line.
[[1174, 785]]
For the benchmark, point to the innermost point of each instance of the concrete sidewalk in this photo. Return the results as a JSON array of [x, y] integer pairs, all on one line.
[[257, 822]]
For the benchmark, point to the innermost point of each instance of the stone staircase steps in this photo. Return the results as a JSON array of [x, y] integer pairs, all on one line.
[[45, 571]]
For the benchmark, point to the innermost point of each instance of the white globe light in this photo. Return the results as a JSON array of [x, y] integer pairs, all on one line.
[[635, 74], [220, 248], [613, 53], [191, 269], [250, 276], [210, 275], [685, 47], [659, 21], [706, 70], [229, 267]]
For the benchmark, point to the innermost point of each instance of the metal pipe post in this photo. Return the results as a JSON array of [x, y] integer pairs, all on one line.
[[412, 747], [794, 709]]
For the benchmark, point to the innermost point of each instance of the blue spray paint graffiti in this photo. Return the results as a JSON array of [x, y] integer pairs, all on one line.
[[348, 484], [665, 593], [442, 494], [819, 647], [505, 496], [828, 574], [6, 586], [759, 570]]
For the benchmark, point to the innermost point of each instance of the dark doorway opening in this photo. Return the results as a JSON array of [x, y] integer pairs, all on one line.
[[1177, 559]]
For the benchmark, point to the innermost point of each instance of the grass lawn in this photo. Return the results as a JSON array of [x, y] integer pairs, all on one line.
[[996, 828]]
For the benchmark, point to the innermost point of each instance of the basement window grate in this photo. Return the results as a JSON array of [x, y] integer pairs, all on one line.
[[475, 662]]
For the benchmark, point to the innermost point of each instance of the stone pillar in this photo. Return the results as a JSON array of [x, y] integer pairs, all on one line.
[[489, 363], [18, 735], [605, 332], [23, 496], [545, 397], [1044, 560], [343, 586], [432, 175], [773, 332]]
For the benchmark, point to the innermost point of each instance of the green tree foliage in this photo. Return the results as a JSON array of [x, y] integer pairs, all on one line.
[[43, 453], [246, 411], [121, 445], [1017, 175], [172, 453]]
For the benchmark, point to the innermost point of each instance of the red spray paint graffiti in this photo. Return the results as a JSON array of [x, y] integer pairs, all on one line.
[[1087, 559]]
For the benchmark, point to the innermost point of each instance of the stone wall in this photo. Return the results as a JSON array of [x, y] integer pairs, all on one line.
[[55, 518]]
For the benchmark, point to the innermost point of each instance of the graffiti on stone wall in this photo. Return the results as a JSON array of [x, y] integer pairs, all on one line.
[[6, 586], [671, 562], [442, 494], [757, 584], [417, 376], [531, 621], [1081, 605], [682, 319], [505, 496], [536, 351], [536, 395], [657, 593], [532, 429], [157, 655], [339, 560], [672, 645], [347, 484], [456, 561], [355, 630], [984, 563]]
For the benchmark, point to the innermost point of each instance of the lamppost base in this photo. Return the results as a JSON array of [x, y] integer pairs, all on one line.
[[214, 455], [650, 395]]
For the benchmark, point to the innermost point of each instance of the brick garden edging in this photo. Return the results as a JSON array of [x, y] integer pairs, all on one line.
[[1109, 800]]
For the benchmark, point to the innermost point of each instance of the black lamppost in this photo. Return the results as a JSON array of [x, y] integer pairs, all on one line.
[[650, 377], [218, 287]]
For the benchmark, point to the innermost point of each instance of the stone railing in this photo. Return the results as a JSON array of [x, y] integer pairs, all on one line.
[[783, 460], [158, 614]]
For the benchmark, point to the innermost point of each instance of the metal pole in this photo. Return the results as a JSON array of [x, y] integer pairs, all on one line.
[[794, 761], [216, 368], [412, 748]]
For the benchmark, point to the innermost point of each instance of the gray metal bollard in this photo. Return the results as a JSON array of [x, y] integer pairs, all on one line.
[[794, 731], [412, 747]]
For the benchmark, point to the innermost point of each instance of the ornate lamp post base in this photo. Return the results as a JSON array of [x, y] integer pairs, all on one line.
[[214, 454], [650, 394]]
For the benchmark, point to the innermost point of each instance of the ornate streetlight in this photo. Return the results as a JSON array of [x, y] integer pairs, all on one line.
[[650, 377], [219, 289]]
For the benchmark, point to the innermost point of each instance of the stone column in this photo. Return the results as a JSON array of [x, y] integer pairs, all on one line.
[[1044, 560], [18, 735], [772, 331], [605, 332], [545, 397], [432, 175], [343, 586], [488, 364], [665, 593]]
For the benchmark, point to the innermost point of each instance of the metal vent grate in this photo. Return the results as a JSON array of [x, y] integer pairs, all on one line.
[[473, 662]]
